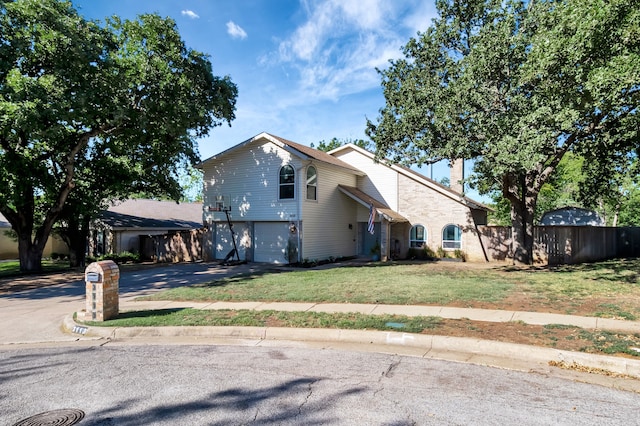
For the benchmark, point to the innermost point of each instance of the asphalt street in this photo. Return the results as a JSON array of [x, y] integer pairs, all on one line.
[[124, 385]]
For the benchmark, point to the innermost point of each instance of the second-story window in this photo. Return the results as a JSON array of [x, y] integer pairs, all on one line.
[[312, 183], [287, 183]]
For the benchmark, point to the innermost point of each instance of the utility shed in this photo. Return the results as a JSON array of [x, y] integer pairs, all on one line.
[[571, 216]]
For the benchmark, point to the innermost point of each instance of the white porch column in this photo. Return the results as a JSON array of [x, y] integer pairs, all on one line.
[[384, 239]]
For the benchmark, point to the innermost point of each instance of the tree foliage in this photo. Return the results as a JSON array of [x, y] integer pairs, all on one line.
[[91, 112], [516, 85], [337, 143]]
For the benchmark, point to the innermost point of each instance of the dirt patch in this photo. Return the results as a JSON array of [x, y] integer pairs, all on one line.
[[566, 338]]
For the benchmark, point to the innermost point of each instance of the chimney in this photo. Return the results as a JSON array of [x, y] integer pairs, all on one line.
[[456, 175]]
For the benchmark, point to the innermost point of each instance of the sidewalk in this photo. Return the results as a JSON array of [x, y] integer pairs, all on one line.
[[534, 318]]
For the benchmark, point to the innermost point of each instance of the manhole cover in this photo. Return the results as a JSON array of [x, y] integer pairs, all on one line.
[[64, 417]]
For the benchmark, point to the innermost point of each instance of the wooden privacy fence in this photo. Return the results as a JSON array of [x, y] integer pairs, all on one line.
[[557, 245], [181, 246]]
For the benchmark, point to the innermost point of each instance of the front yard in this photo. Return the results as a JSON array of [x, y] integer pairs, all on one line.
[[607, 289]]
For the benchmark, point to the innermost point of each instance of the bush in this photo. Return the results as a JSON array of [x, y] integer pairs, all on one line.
[[459, 254], [123, 257], [421, 253]]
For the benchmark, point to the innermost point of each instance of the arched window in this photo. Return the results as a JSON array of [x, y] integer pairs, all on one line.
[[312, 183], [287, 182], [417, 236], [451, 237]]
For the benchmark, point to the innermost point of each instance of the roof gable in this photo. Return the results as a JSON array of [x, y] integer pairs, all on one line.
[[411, 174], [299, 150]]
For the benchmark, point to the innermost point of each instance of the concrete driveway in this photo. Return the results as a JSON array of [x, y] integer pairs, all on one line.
[[34, 311]]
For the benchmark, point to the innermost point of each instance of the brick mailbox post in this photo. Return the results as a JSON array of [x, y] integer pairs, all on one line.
[[102, 281]]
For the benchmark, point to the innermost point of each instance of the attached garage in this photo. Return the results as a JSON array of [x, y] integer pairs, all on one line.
[[222, 239], [270, 241]]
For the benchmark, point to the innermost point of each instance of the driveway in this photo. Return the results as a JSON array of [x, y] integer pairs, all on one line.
[[34, 311]]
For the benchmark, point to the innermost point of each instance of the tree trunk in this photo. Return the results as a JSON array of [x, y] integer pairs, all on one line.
[[522, 217], [30, 254], [77, 242], [30, 244], [521, 252]]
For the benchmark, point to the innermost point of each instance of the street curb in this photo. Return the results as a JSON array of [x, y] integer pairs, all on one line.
[[477, 351]]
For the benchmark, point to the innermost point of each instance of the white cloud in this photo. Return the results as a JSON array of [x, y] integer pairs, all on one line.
[[235, 31], [336, 50], [421, 17], [190, 13]]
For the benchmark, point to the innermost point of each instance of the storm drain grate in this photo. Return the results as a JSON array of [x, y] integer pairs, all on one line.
[[64, 417]]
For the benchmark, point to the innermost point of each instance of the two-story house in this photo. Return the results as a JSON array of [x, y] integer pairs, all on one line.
[[288, 202]]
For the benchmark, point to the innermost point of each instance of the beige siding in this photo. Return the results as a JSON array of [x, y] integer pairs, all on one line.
[[325, 230], [250, 176], [424, 206], [380, 182], [9, 246]]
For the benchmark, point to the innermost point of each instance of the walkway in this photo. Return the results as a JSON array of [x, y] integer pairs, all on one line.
[[534, 318]]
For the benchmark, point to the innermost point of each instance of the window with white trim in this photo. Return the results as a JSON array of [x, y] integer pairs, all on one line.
[[417, 236], [287, 183], [452, 237], [312, 183]]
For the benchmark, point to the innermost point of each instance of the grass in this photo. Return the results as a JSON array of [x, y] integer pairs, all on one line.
[[11, 268], [599, 341], [388, 284], [194, 317], [429, 283]]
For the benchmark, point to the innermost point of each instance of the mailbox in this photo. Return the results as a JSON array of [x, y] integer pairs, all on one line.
[[93, 277], [102, 285]]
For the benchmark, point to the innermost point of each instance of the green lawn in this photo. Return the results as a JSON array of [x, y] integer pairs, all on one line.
[[194, 317], [11, 268], [389, 284], [424, 283]]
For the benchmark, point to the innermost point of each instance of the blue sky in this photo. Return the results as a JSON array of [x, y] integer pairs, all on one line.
[[305, 69]]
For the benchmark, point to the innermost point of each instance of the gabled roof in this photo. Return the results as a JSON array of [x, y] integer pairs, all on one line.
[[301, 151], [444, 190], [4, 223], [148, 214], [367, 200]]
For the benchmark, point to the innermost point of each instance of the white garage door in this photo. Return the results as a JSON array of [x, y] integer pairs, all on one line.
[[223, 243], [271, 241]]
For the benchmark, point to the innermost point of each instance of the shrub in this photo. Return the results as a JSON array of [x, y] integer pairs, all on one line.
[[421, 253], [123, 257], [459, 254]]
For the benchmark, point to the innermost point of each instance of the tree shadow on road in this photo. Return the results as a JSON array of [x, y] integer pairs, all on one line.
[[288, 402]]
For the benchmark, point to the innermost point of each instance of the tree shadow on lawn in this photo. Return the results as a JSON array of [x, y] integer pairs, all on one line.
[[149, 313], [617, 270]]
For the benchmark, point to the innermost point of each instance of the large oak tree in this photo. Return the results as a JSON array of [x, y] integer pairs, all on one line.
[[90, 112], [515, 85]]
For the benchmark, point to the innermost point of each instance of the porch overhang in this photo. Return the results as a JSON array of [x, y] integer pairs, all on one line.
[[366, 200]]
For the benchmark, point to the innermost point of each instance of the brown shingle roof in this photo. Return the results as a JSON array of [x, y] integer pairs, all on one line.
[[316, 154], [143, 213]]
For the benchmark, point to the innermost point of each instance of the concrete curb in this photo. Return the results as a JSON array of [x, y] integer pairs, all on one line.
[[483, 352]]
